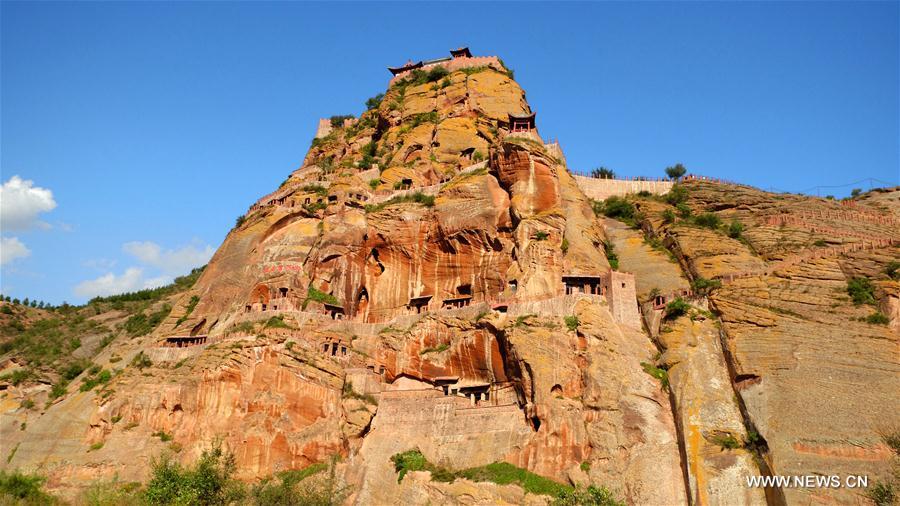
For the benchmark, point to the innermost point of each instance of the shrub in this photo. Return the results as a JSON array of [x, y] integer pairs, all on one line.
[[503, 473], [300, 487], [677, 195], [23, 488], [75, 368], [163, 436], [141, 324], [585, 466], [572, 322], [661, 374], [18, 376], [819, 243], [603, 173], [882, 494], [855, 192], [611, 256], [417, 197], [684, 210], [726, 441], [564, 246], [618, 207], [590, 496], [373, 183], [477, 156], [411, 460], [703, 286], [337, 121], [735, 229], [541, 236], [27, 404], [207, 482], [892, 269], [239, 221], [96, 446], [676, 171], [436, 349], [877, 318], [374, 102], [314, 294], [58, 390], [277, 322], [188, 310], [861, 291], [708, 220], [676, 308], [668, 216], [141, 360]]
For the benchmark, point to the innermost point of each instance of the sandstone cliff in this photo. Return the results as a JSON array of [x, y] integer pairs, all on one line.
[[433, 277]]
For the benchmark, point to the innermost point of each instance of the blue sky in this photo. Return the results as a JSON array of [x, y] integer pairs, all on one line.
[[144, 129]]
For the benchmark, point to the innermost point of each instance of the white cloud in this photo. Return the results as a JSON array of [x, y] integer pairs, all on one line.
[[109, 284], [150, 257], [21, 202], [170, 262], [12, 248]]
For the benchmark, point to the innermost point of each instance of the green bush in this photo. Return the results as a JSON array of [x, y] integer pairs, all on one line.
[[188, 310], [892, 269], [684, 210], [316, 295], [668, 216], [611, 256], [373, 183], [726, 441], [572, 322], [141, 360], [708, 220], [564, 246], [338, 120], [882, 494], [590, 496], [163, 436], [861, 291], [277, 322], [436, 349], [411, 460], [677, 195], [309, 486], [661, 374], [676, 308], [503, 473], [878, 318], [541, 236], [735, 229], [58, 390], [374, 102], [20, 488], [617, 207], [239, 221], [141, 324], [417, 197], [703, 286], [208, 482]]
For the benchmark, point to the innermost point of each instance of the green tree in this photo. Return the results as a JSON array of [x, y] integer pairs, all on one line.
[[603, 173], [374, 102], [676, 171], [855, 192]]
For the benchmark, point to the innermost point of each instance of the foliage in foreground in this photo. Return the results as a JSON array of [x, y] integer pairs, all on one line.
[[209, 481], [20, 488]]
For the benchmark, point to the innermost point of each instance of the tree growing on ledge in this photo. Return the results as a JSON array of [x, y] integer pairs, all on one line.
[[603, 173], [676, 171]]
